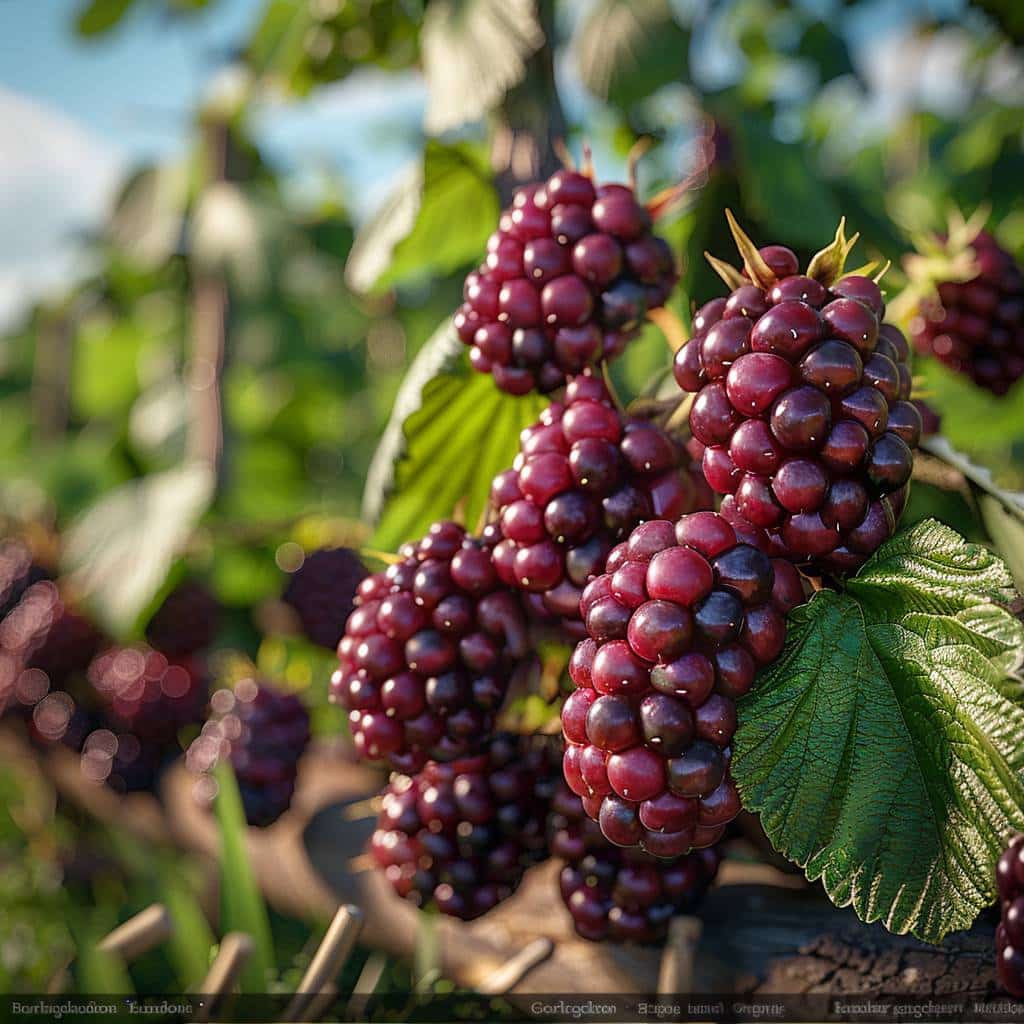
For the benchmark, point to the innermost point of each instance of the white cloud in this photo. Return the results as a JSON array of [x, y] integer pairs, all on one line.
[[56, 180]]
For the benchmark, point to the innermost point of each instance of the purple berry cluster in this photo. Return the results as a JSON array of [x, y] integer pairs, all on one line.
[[583, 478], [569, 276], [1010, 933], [321, 592], [186, 621], [264, 733], [803, 408], [678, 626], [459, 836], [427, 653], [976, 327], [623, 895]]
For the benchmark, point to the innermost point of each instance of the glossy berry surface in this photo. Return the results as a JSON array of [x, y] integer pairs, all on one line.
[[458, 837], [569, 276], [264, 733], [678, 626], [584, 477], [1010, 933], [322, 590], [802, 406], [622, 895], [425, 660], [976, 327]]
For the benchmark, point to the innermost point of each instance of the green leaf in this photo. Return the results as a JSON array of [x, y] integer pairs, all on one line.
[[119, 551], [436, 220], [451, 432], [882, 749], [626, 50], [241, 903], [474, 51], [188, 947], [1007, 531], [100, 16]]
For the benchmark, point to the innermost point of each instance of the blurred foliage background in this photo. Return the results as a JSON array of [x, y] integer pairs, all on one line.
[[211, 389]]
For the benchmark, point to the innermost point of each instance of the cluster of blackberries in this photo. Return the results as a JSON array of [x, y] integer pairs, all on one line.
[[427, 654], [803, 408], [584, 477], [976, 327], [1010, 933], [322, 590], [459, 836], [569, 276], [678, 626], [624, 895], [263, 733]]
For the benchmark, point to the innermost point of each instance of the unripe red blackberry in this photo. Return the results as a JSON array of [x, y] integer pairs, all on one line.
[[427, 654], [148, 695], [623, 895], [803, 405], [583, 478], [264, 733], [43, 633], [1010, 933], [975, 326], [459, 836], [679, 624], [18, 571], [322, 591], [569, 276], [186, 622]]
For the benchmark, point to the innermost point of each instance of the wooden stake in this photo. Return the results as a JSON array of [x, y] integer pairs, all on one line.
[[139, 934], [513, 971], [327, 960], [233, 955], [676, 973]]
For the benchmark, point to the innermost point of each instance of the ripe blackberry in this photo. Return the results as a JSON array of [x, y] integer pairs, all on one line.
[[973, 320], [122, 760], [623, 895], [583, 478], [803, 405], [678, 625], [18, 572], [145, 694], [459, 836], [322, 591], [1010, 933], [569, 276], [186, 622], [264, 732], [426, 657], [43, 633]]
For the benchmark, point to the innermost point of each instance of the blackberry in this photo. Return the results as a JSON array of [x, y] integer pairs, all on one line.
[[322, 591], [569, 276], [122, 760], [973, 320], [43, 633], [1010, 933], [678, 625], [583, 478], [186, 622], [145, 694], [264, 732], [621, 894], [803, 404], [459, 836], [427, 654], [18, 571]]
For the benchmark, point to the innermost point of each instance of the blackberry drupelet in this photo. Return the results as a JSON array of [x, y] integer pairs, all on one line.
[[428, 652], [803, 405], [623, 895], [186, 622], [583, 478], [459, 836], [569, 276], [1010, 933], [678, 625], [322, 591]]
